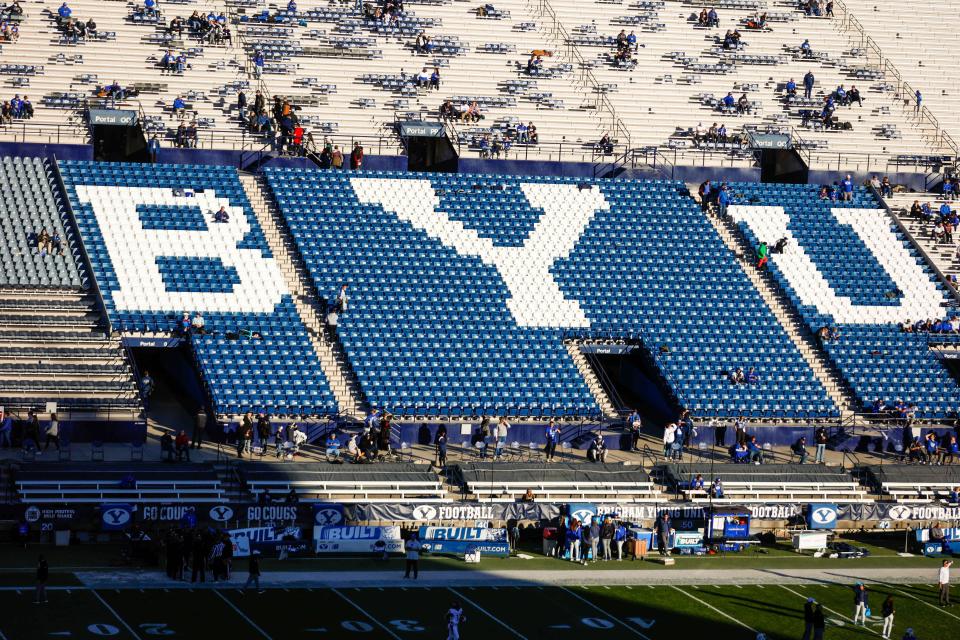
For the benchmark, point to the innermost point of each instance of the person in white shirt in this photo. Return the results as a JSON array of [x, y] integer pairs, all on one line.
[[669, 435], [943, 581], [413, 556], [455, 616], [503, 428], [198, 323]]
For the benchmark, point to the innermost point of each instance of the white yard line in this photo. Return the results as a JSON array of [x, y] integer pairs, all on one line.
[[606, 613], [940, 609], [369, 617], [115, 614], [834, 612], [243, 615], [488, 614], [713, 608]]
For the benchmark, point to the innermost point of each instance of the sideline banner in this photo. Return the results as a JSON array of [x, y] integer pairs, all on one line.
[[356, 539], [245, 540], [458, 547], [476, 534]]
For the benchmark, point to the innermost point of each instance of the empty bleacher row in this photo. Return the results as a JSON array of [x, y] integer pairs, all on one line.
[[905, 39], [913, 483], [351, 77], [381, 482], [510, 481], [463, 313], [157, 253], [116, 482], [846, 264], [54, 342], [746, 484], [680, 72]]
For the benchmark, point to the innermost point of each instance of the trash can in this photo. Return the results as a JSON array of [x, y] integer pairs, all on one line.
[[61, 538]]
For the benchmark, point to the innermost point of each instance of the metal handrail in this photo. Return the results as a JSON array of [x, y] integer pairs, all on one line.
[[850, 22], [584, 75]]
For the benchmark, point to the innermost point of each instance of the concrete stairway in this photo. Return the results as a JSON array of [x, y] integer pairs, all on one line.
[[788, 317], [590, 377], [332, 358]]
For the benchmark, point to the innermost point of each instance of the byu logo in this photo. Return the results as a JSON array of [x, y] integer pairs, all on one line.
[[134, 251], [535, 297], [31, 514], [824, 515], [116, 517], [921, 297], [221, 513], [425, 512], [899, 512], [583, 515], [327, 517]]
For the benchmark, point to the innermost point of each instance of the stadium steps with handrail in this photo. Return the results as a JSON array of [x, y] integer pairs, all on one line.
[[788, 317], [590, 377], [333, 361]]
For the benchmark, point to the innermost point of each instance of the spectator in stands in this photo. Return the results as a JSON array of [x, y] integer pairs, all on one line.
[[743, 104], [597, 452], [800, 449], [847, 188], [154, 148], [954, 497], [257, 64], [336, 157], [356, 157], [697, 483], [915, 451], [182, 444], [198, 324], [737, 377], [221, 215], [31, 431], [853, 95], [435, 78], [808, 81], [719, 432], [150, 7], [669, 437], [950, 451], [729, 102], [166, 446], [502, 431], [886, 189], [605, 145], [791, 88], [820, 438], [756, 452], [440, 444], [553, 438], [752, 377], [806, 50], [919, 101], [168, 61], [64, 12], [179, 107], [763, 254], [716, 488], [931, 447], [723, 201]]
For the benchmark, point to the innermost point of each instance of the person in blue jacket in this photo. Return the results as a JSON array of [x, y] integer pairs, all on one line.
[[64, 11], [553, 437]]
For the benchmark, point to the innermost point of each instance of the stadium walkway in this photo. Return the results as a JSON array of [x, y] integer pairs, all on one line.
[[511, 578]]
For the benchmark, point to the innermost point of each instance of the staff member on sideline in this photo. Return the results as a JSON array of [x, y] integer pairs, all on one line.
[[944, 581], [413, 556], [861, 602]]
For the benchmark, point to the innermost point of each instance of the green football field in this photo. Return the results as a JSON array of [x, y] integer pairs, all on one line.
[[646, 612]]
